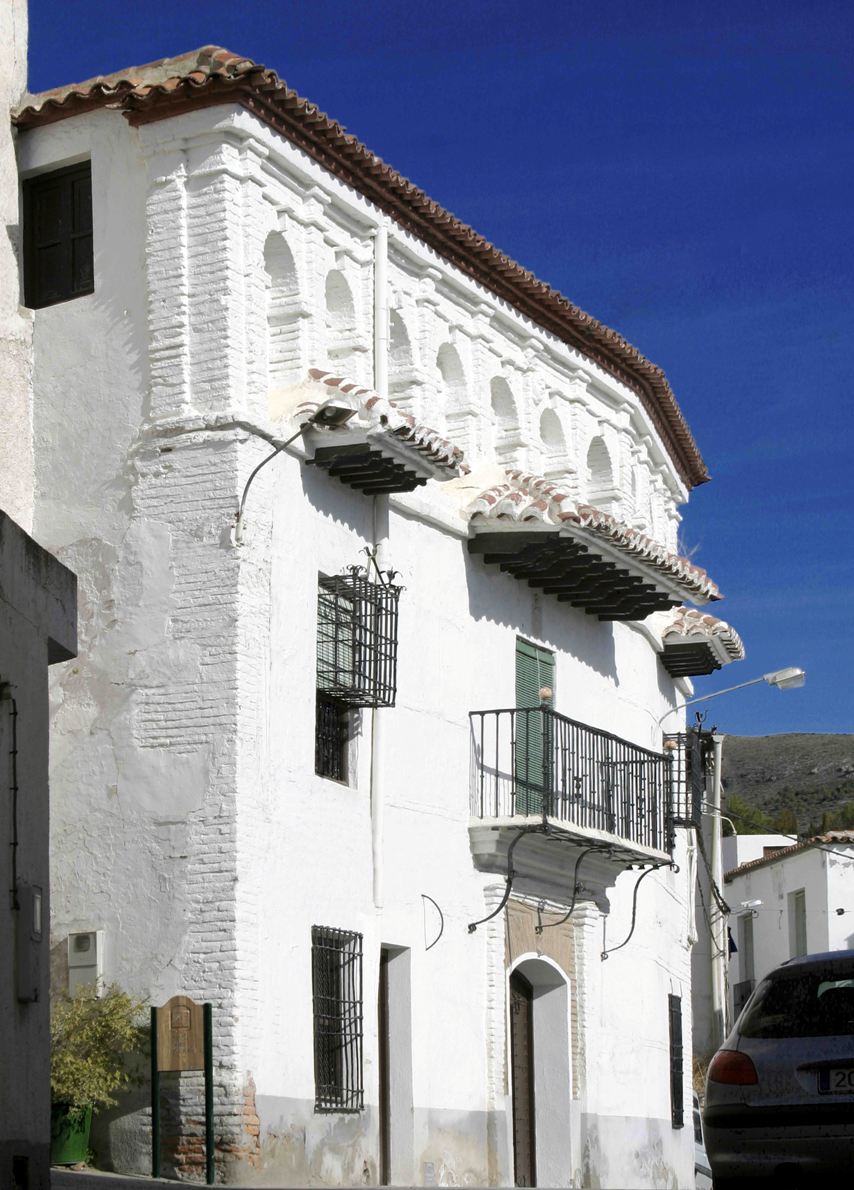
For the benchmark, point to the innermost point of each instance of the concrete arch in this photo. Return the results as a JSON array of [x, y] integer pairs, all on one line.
[[506, 429], [600, 485], [340, 317], [554, 444], [399, 344], [285, 362], [454, 405], [552, 1065]]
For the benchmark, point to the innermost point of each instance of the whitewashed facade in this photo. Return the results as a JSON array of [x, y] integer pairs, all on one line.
[[785, 900], [37, 629], [189, 823]]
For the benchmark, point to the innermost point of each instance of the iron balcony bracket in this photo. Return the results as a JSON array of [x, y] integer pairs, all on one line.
[[508, 880], [576, 887], [605, 953]]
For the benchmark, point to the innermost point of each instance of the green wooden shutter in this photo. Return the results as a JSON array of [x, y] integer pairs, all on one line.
[[535, 668], [674, 1011]]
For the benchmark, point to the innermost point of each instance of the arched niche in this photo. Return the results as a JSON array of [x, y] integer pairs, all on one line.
[[340, 317], [455, 409], [285, 347], [505, 419], [401, 360], [601, 485], [555, 462]]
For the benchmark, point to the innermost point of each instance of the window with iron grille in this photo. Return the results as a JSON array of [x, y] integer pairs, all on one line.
[[336, 984], [357, 639], [58, 261], [331, 738], [677, 1114]]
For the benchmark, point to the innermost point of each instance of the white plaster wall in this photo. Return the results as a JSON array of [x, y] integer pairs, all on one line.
[[840, 895], [16, 435], [37, 626], [189, 823], [773, 884], [743, 849]]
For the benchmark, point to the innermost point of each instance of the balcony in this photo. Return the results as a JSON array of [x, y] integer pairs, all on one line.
[[535, 770]]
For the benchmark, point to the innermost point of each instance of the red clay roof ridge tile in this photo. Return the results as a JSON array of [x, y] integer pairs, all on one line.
[[213, 74]]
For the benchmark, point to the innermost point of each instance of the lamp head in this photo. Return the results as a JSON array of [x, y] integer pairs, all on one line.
[[332, 414], [786, 679]]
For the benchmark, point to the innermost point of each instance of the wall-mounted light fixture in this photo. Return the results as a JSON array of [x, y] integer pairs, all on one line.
[[330, 415]]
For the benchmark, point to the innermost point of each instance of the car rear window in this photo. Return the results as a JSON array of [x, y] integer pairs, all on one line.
[[817, 1003]]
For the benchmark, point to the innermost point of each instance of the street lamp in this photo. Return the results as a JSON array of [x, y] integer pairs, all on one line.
[[784, 679], [789, 678], [330, 414]]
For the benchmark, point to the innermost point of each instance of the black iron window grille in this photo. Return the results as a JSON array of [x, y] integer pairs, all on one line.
[[58, 259], [674, 1008], [331, 738], [357, 639], [336, 984], [689, 755]]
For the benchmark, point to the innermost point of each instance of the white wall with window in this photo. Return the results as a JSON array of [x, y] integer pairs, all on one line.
[[786, 901], [186, 740]]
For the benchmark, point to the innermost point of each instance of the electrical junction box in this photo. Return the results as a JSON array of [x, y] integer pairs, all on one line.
[[85, 960], [28, 940]]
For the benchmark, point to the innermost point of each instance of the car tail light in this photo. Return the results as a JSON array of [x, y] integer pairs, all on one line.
[[729, 1066]]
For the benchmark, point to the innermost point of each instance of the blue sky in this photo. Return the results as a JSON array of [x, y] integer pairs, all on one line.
[[683, 172]]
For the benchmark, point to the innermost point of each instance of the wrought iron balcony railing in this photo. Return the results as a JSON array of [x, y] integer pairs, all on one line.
[[534, 762]]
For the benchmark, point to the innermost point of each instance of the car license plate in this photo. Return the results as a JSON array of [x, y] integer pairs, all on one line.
[[838, 1080]]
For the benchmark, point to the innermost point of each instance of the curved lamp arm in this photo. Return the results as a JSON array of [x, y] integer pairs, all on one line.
[[784, 679]]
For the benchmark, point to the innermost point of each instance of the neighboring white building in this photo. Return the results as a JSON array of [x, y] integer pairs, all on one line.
[[37, 628], [282, 788], [786, 900]]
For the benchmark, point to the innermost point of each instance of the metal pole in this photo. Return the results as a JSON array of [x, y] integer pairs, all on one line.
[[719, 940], [155, 1100], [210, 1170]]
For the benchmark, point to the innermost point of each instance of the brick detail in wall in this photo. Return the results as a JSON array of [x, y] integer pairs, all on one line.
[[192, 708], [168, 287], [584, 959], [217, 300], [237, 1128]]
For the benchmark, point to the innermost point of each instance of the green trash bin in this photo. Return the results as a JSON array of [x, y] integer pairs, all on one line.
[[69, 1134]]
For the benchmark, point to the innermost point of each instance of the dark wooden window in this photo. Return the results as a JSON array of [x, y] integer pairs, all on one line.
[[336, 984], [677, 1113], [58, 262], [331, 738]]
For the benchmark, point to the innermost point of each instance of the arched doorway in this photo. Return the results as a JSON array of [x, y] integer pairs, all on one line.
[[538, 1000]]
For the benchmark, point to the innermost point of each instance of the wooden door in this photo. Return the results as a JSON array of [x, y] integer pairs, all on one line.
[[384, 1079], [522, 1068]]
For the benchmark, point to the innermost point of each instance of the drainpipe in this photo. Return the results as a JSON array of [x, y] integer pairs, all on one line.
[[380, 542], [381, 309], [719, 939]]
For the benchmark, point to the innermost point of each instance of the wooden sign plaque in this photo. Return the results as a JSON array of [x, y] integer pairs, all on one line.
[[180, 1035], [182, 1039]]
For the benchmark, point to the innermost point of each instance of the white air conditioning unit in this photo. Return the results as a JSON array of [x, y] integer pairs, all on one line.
[[85, 960]]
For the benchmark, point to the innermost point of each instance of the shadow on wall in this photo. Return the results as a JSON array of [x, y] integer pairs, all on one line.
[[335, 500], [505, 600]]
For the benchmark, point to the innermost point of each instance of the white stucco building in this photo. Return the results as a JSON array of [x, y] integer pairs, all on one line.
[[786, 900], [307, 803], [37, 629]]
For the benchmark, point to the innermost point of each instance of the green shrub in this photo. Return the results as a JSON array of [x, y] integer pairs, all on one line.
[[92, 1038]]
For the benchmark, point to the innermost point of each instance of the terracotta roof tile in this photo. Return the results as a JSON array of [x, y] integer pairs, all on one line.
[[381, 415], [689, 622], [524, 498], [827, 839], [214, 75]]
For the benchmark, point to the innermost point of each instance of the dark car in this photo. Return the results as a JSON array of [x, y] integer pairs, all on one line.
[[780, 1093]]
